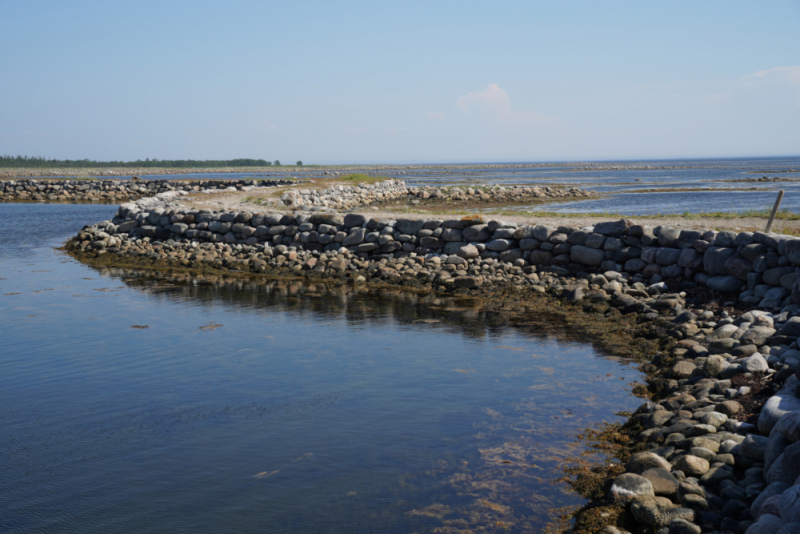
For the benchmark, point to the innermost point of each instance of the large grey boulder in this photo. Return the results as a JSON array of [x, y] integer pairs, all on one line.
[[773, 276], [755, 364], [468, 251], [409, 226], [477, 233], [498, 245], [543, 233], [616, 228], [789, 505], [776, 488], [757, 335], [667, 256], [642, 461], [774, 298], [715, 258], [792, 250], [725, 284], [779, 404], [739, 267], [629, 485], [668, 237], [754, 447], [586, 255], [786, 468], [791, 327], [356, 237]]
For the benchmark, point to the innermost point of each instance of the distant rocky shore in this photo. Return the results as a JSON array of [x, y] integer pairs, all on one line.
[[328, 169], [114, 191], [337, 197], [705, 456]]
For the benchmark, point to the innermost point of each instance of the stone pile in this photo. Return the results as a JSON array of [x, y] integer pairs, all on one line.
[[704, 471], [515, 193], [113, 191], [701, 469], [762, 268], [343, 197]]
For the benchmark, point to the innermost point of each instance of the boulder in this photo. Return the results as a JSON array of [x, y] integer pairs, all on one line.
[[586, 255], [775, 407], [630, 485], [725, 284], [664, 484], [642, 461], [616, 228], [714, 260], [789, 505], [693, 466], [667, 256]]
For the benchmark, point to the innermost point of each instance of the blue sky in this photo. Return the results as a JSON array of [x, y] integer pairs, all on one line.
[[374, 82]]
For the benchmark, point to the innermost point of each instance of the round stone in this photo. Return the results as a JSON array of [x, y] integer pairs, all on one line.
[[692, 465]]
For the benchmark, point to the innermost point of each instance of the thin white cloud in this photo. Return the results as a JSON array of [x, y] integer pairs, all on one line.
[[436, 115], [270, 126], [790, 73], [495, 99]]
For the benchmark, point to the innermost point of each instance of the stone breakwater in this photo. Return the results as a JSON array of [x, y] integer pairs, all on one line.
[[699, 466], [114, 191], [515, 193], [342, 197]]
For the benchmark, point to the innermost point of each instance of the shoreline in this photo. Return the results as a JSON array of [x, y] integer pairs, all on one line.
[[704, 344], [714, 348]]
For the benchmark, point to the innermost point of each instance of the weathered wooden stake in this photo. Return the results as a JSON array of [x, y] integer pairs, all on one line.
[[774, 210]]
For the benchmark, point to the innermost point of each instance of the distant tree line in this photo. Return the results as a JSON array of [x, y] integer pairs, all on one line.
[[38, 162]]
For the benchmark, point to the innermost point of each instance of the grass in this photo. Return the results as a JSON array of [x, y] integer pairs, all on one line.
[[358, 178]]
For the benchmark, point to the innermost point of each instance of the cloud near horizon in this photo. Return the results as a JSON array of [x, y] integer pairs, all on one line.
[[495, 99], [790, 73], [437, 115]]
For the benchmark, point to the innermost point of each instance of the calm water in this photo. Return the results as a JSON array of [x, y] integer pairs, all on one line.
[[263, 406]]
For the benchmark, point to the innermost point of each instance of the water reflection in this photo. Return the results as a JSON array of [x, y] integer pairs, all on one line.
[[359, 306], [135, 402], [498, 481]]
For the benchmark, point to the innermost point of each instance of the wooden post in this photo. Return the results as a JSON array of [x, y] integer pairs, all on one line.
[[774, 210]]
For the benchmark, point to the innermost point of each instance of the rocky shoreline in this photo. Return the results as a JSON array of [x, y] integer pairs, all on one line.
[[326, 169], [114, 191], [724, 304], [337, 197]]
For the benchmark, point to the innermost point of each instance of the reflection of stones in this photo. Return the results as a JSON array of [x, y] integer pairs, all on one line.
[[710, 358]]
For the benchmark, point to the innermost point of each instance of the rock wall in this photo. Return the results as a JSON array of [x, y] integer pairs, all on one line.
[[348, 197], [761, 268], [343, 197], [113, 191], [701, 468], [515, 193]]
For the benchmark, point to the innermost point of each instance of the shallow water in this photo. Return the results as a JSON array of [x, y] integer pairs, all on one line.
[[655, 183], [643, 204], [136, 403]]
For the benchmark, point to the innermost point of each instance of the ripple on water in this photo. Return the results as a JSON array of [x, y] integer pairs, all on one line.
[[221, 405]]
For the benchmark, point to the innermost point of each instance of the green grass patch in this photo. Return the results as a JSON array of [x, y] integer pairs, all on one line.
[[358, 178]]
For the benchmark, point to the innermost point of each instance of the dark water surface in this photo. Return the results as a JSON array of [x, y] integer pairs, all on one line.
[[266, 406]]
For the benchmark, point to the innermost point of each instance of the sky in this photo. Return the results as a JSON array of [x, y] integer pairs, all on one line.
[[399, 82]]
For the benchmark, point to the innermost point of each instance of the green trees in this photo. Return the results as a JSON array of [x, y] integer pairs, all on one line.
[[299, 163], [277, 163], [39, 162]]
